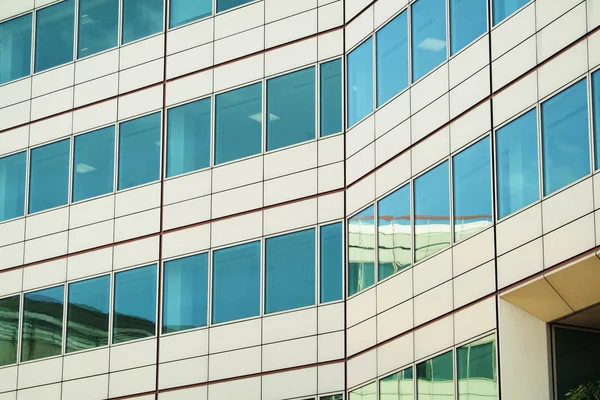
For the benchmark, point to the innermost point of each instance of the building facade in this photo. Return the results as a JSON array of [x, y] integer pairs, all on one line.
[[299, 199]]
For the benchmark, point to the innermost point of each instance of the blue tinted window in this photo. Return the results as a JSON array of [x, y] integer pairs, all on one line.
[[49, 176], [134, 315], [188, 137], [223, 5], [392, 58], [87, 314], [504, 8], [12, 186], [54, 35], [98, 26], [238, 123], [596, 109], [394, 232], [428, 36], [139, 151], [290, 271], [291, 109], [517, 164], [9, 335], [183, 11], [141, 18], [236, 282], [331, 97], [94, 163], [432, 211], [565, 137], [472, 179], [468, 21], [185, 293], [361, 251], [332, 264], [15, 36], [42, 323], [360, 82]]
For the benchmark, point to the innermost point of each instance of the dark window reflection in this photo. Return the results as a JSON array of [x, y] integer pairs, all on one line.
[[432, 212], [185, 293], [9, 329], [290, 271], [135, 304], [361, 251], [398, 386], [394, 232], [87, 314], [472, 181], [577, 354], [331, 97], [476, 369], [435, 378], [42, 323], [332, 397]]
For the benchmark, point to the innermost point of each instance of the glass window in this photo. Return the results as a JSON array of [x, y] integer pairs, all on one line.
[[134, 314], [332, 397], [332, 253], [183, 11], [432, 212], [472, 179], [94, 163], [367, 392], [238, 123], [565, 137], [291, 108], [188, 137], [468, 21], [428, 36], [504, 8], [141, 18], [12, 186], [361, 251], [223, 5], [398, 386], [42, 323], [517, 164], [9, 321], [392, 58], [394, 232], [596, 110], [98, 26], [87, 314], [185, 293], [290, 271], [236, 282], [15, 42], [139, 151], [435, 378], [331, 97], [476, 370], [54, 35], [360, 82], [49, 176]]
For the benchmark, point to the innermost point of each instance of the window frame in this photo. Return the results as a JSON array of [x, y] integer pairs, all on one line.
[[75, 37]]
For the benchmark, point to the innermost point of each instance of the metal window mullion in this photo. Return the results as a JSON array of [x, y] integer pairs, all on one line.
[[318, 265], [76, 31], [33, 42]]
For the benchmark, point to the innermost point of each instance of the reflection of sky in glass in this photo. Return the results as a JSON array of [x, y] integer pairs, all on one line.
[[565, 137], [87, 314], [428, 36], [517, 164], [42, 323], [331, 262], [290, 271], [394, 232], [472, 189], [468, 21], [596, 105], [360, 82], [361, 251], [432, 211], [392, 58]]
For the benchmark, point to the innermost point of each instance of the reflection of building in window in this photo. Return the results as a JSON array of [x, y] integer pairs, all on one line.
[[398, 386], [361, 251], [435, 378], [476, 369]]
